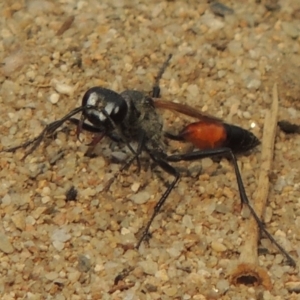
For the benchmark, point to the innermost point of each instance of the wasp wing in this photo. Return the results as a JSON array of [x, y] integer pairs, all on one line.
[[185, 110]]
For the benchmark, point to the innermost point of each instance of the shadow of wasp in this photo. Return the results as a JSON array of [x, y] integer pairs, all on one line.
[[132, 116]]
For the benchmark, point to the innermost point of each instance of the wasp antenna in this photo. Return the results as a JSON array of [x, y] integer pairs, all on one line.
[[48, 130], [156, 88]]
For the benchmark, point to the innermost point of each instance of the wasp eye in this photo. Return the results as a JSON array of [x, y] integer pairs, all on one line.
[[101, 103]]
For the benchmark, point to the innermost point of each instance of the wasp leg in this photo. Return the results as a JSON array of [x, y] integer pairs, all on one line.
[[244, 199], [173, 137], [130, 161], [171, 170], [141, 144]]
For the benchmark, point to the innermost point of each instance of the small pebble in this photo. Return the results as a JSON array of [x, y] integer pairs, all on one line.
[[51, 276], [170, 291], [141, 197], [63, 88], [246, 115], [150, 288], [46, 199], [268, 214], [221, 73], [74, 276], [127, 239], [267, 295], [222, 208], [6, 200], [38, 211], [290, 29], [193, 89], [53, 98], [5, 245], [119, 155], [46, 191], [206, 162], [221, 9], [293, 286], [162, 275], [212, 22], [60, 235], [253, 84], [71, 194], [150, 267], [13, 62], [135, 186], [235, 48], [187, 221], [176, 249], [19, 220], [218, 247], [84, 263], [58, 245], [158, 8], [222, 286], [30, 220]]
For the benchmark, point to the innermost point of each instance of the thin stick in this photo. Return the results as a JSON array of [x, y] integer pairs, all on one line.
[[248, 261], [249, 253]]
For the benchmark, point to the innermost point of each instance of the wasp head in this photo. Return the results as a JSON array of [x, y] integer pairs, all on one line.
[[103, 107]]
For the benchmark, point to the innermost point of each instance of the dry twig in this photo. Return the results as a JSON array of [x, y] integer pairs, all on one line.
[[248, 271]]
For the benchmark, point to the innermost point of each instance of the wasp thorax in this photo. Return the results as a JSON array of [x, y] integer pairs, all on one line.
[[104, 107]]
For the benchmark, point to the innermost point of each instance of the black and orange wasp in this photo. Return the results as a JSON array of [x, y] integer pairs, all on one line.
[[132, 116]]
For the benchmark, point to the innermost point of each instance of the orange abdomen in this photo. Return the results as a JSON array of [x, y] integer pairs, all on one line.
[[205, 135], [212, 135]]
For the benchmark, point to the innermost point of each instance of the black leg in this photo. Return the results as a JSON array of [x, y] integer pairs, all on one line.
[[169, 169], [244, 199], [130, 161], [138, 152], [120, 134], [210, 153], [48, 130], [120, 137]]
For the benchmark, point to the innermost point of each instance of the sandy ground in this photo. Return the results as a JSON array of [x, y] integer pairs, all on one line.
[[225, 62]]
